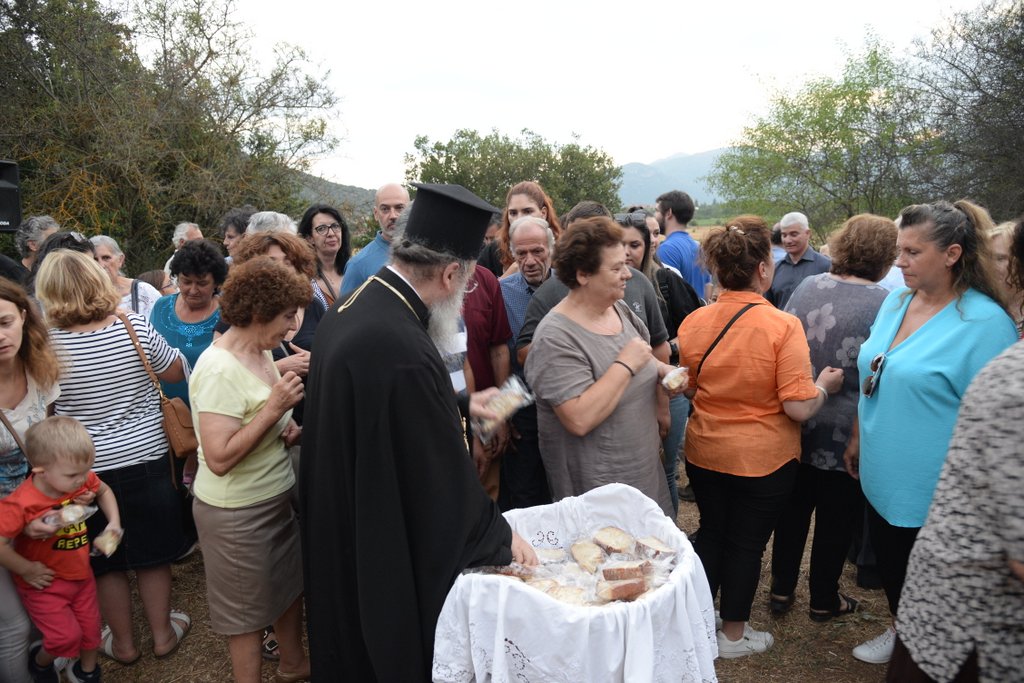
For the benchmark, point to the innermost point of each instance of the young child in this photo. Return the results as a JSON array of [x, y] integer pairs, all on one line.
[[53, 575]]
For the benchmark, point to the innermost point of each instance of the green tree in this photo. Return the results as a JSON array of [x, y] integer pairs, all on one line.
[[489, 165], [971, 73], [127, 132], [834, 148]]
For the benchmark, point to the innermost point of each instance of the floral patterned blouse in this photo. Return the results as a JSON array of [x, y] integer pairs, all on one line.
[[837, 317]]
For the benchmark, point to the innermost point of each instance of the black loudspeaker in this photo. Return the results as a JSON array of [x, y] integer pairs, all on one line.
[[10, 197]]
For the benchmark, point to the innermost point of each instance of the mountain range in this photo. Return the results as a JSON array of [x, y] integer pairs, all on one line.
[[641, 183]]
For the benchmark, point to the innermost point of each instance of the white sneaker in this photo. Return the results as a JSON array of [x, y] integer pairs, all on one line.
[[877, 650], [753, 642]]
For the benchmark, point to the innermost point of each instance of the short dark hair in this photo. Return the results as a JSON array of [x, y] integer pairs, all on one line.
[[261, 289], [588, 208], [306, 230], [579, 248], [197, 258], [237, 218], [865, 246], [733, 253], [680, 203]]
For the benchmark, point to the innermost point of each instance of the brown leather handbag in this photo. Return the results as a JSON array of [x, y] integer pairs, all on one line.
[[177, 418]]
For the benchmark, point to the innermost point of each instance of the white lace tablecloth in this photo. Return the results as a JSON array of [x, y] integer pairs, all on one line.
[[494, 629]]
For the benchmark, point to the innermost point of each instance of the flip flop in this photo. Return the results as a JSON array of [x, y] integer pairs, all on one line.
[[847, 605], [177, 619], [107, 648]]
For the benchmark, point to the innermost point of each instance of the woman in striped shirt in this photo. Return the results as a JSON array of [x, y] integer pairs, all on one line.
[[109, 391]]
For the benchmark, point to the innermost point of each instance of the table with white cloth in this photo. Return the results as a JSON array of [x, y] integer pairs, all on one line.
[[492, 628]]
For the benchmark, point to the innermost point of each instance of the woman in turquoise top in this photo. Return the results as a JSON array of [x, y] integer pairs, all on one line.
[[187, 319], [926, 345]]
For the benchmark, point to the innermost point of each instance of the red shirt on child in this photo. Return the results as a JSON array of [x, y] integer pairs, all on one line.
[[67, 552]]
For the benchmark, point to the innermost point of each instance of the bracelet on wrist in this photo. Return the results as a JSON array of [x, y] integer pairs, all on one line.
[[628, 369], [824, 392]]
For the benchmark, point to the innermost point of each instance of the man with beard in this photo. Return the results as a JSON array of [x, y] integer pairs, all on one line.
[[388, 205], [391, 507]]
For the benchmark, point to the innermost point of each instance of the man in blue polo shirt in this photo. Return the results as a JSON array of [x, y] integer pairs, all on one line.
[[800, 261], [388, 205], [679, 250]]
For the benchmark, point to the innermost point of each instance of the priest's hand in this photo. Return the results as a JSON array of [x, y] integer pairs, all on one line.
[[292, 434], [478, 404], [285, 393], [522, 552]]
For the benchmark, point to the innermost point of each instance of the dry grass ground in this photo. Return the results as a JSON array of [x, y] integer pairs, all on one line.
[[804, 652]]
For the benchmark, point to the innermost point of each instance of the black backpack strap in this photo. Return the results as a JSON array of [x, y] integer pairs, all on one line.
[[722, 334]]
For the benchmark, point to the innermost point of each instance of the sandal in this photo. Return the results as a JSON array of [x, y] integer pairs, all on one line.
[[181, 624], [780, 604], [847, 605], [269, 649], [107, 648]]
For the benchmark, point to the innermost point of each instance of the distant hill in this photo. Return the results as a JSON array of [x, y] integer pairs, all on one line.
[[355, 201], [642, 183]]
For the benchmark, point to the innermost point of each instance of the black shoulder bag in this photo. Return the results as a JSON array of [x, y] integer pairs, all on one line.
[[718, 339]]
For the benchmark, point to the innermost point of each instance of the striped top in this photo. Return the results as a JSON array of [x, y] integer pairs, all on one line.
[[105, 387]]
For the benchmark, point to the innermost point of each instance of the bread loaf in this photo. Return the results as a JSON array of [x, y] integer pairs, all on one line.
[[587, 555], [551, 555], [620, 590], [568, 594], [633, 569], [651, 546], [614, 540], [107, 542]]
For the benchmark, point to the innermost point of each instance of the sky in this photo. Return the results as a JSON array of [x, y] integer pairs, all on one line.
[[640, 79]]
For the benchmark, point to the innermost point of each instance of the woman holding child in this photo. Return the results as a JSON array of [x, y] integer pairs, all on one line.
[[243, 488], [105, 386], [28, 384]]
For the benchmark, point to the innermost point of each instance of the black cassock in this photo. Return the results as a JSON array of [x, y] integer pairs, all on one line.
[[391, 507]]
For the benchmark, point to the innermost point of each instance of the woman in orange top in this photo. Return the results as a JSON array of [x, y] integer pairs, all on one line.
[[749, 393]]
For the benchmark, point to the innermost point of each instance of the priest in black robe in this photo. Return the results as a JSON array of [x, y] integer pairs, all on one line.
[[390, 504]]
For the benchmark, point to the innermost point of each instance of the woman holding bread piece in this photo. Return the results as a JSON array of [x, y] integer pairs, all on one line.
[[243, 488], [751, 386], [592, 371]]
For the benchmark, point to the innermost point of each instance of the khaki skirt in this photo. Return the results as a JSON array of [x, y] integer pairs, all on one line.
[[253, 562]]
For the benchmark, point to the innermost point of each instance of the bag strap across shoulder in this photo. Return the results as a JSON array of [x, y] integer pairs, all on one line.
[[722, 334], [10, 428], [142, 354]]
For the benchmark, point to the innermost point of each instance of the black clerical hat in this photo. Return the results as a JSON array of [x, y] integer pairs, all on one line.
[[449, 218]]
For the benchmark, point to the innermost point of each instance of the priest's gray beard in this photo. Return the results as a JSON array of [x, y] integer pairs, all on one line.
[[443, 325]]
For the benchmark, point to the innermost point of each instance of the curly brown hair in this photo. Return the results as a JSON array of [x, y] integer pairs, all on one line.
[[579, 248], [36, 354], [733, 253], [260, 289], [865, 246], [298, 251]]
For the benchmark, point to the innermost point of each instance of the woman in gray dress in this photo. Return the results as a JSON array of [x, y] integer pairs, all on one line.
[[836, 309], [596, 382]]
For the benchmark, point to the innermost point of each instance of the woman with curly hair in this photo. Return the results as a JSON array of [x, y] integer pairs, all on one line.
[[243, 488], [187, 318], [836, 310], [1006, 243], [327, 232], [29, 371], [523, 199]]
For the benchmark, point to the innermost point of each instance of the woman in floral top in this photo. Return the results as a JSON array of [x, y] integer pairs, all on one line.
[[836, 310]]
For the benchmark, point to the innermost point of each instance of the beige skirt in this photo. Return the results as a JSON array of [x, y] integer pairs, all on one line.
[[253, 562]]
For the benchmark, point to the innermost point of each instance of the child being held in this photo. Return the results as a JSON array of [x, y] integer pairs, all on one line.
[[53, 575]]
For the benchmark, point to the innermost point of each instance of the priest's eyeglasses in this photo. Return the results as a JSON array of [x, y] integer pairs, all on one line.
[[871, 381], [322, 229]]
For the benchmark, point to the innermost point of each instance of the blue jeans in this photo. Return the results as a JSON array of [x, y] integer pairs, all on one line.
[[679, 409]]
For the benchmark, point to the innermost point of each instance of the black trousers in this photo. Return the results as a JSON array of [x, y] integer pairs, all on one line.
[[524, 483], [892, 546], [737, 515], [836, 500]]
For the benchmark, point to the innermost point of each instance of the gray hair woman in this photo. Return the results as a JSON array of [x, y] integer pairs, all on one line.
[[136, 296]]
